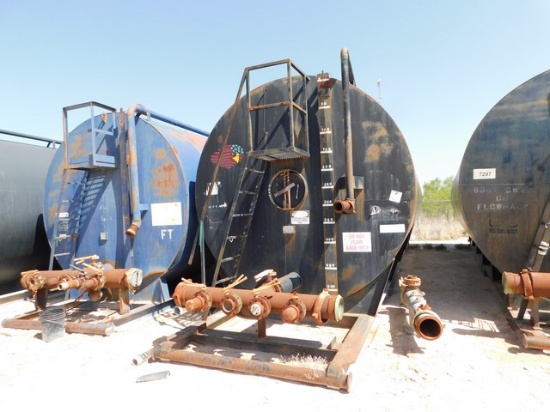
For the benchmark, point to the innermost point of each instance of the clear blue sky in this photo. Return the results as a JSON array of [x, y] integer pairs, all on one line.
[[443, 64]]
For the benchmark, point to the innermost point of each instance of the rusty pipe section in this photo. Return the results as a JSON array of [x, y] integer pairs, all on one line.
[[90, 279], [346, 206], [425, 322], [134, 112], [530, 284], [259, 303]]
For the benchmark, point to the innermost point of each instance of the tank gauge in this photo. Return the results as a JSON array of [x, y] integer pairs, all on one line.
[[287, 189]]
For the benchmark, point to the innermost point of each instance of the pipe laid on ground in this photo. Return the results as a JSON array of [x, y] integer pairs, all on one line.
[[425, 322]]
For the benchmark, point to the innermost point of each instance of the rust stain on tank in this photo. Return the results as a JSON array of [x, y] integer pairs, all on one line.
[[77, 148], [381, 145], [164, 178], [198, 141]]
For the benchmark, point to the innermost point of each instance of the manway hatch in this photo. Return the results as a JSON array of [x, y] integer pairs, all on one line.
[[322, 356]]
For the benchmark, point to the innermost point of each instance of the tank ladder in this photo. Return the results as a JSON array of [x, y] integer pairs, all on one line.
[[240, 216], [328, 182], [75, 186], [255, 163], [66, 225]]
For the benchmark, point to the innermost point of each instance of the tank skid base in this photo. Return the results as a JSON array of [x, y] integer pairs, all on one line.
[[532, 325], [533, 331], [322, 356], [86, 317]]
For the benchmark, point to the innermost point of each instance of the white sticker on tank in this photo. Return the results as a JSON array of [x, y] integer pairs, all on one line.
[[214, 189], [166, 214], [299, 217], [357, 242], [395, 196], [397, 228], [485, 174]]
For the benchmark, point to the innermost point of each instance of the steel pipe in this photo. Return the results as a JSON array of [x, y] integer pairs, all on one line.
[[89, 279], [101, 328], [529, 284], [347, 80], [425, 322], [259, 303]]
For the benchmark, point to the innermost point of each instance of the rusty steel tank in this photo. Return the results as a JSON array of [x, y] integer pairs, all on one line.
[[24, 164], [501, 191], [121, 189], [307, 174]]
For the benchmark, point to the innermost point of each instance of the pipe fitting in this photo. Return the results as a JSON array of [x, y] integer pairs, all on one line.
[[132, 230], [200, 303], [259, 307], [260, 303], [231, 304], [346, 206], [423, 320], [294, 312]]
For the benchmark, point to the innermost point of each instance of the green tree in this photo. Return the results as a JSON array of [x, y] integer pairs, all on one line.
[[436, 197]]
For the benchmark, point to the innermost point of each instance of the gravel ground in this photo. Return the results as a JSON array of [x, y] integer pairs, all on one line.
[[477, 362]]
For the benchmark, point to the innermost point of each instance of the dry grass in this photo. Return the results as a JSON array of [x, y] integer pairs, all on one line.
[[437, 228]]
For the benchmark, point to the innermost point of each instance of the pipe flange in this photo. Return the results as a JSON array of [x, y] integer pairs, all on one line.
[[318, 307], [259, 307], [231, 304], [201, 302], [294, 311], [410, 281], [35, 281], [527, 284]]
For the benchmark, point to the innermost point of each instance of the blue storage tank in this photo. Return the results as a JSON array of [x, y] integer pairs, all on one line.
[[126, 194]]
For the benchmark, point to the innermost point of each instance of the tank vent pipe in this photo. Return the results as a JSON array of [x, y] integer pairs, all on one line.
[[347, 80]]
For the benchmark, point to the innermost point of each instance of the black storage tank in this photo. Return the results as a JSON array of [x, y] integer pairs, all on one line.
[[307, 174], [23, 245], [501, 191]]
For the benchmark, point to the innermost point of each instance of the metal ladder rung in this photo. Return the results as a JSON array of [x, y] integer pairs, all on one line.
[[224, 280], [231, 238], [261, 172], [230, 258]]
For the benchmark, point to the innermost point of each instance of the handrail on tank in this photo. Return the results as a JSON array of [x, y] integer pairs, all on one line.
[[135, 111], [347, 79], [91, 104], [50, 142]]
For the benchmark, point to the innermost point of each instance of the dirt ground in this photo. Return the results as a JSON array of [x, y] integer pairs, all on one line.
[[477, 363]]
